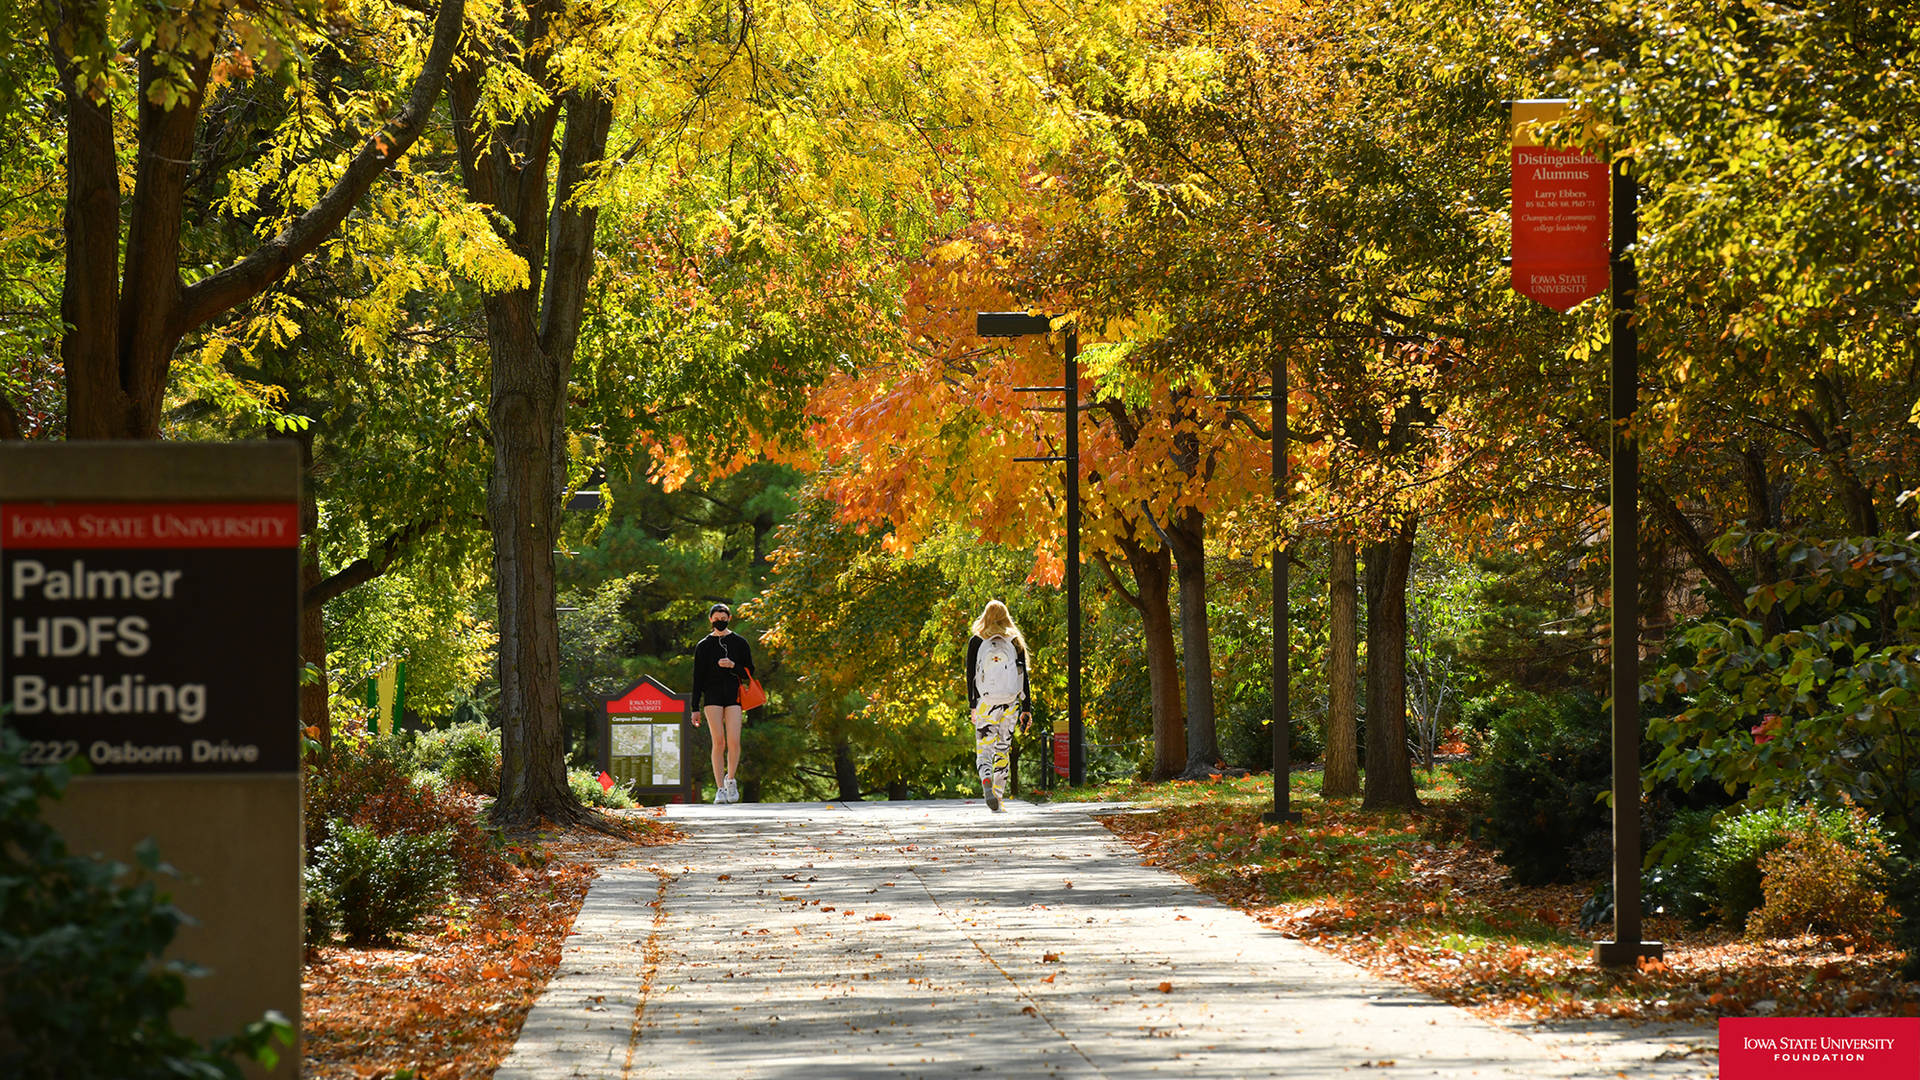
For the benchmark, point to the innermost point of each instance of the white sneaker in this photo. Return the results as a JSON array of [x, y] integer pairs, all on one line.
[[719, 793], [733, 791]]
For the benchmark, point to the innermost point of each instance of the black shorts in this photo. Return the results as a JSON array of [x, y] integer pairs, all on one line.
[[723, 694]]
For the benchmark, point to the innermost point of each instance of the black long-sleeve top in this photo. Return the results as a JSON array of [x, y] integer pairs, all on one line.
[[709, 676], [1026, 683]]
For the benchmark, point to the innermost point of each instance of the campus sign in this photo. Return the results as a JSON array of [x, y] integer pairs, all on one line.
[[151, 637], [643, 733], [1561, 224], [149, 627]]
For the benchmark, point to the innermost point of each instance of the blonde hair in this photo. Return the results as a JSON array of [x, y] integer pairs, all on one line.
[[996, 619]]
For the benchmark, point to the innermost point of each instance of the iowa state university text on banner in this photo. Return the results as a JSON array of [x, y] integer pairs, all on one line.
[[1813, 1048], [152, 637], [1562, 229]]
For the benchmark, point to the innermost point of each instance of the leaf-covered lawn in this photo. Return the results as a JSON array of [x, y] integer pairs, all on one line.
[[1412, 897], [449, 1001]]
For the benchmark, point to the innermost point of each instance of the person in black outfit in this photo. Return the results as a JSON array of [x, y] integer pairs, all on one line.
[[721, 662]]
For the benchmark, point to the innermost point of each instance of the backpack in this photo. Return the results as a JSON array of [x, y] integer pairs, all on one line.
[[996, 671]]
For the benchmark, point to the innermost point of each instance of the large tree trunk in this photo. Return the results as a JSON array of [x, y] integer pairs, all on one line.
[[1153, 577], [531, 334], [1188, 533], [1342, 779], [1389, 767], [126, 317], [522, 512]]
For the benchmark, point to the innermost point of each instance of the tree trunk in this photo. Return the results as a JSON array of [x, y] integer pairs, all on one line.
[[122, 296], [1342, 779], [1188, 533], [314, 713], [1763, 514], [531, 333], [846, 775], [1153, 577], [522, 512], [1389, 781]]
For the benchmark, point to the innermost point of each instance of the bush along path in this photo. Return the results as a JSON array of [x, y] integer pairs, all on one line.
[[430, 936], [934, 939], [1416, 899]]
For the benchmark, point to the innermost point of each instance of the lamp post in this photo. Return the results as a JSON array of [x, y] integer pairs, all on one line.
[[1283, 810], [1010, 324]]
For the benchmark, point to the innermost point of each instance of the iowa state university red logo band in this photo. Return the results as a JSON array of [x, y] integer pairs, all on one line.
[[1809, 1048]]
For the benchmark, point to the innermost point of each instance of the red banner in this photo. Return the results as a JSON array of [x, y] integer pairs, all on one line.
[[646, 698], [1562, 227], [149, 526], [1062, 761], [1809, 1048]]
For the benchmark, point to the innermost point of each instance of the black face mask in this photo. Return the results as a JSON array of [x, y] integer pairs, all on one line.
[[719, 624]]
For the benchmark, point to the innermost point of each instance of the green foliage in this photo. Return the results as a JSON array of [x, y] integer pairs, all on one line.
[[378, 886], [586, 787], [1827, 706], [1246, 736], [1732, 860], [375, 784], [1826, 880], [1537, 779], [84, 991], [1676, 878], [467, 753]]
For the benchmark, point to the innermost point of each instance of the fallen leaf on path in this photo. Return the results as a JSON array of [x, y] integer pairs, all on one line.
[[1165, 988]]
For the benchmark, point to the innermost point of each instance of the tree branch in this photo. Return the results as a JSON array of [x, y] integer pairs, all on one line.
[[270, 262], [366, 568]]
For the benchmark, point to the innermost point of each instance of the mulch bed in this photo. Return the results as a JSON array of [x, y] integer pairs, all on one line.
[[449, 1000]]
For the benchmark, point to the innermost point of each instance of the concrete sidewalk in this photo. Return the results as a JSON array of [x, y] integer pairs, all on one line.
[[933, 939]]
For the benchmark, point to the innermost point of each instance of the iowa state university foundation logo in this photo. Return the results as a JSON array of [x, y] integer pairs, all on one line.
[[1858, 1048]]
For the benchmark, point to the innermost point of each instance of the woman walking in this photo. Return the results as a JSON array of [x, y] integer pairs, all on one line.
[[722, 661], [998, 694]]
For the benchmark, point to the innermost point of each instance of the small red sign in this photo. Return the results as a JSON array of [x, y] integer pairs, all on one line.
[[1061, 759], [149, 526], [1562, 224], [606, 782], [645, 698], [1809, 1048]]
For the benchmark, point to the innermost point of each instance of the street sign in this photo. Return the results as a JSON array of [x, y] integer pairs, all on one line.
[[1562, 231], [642, 738]]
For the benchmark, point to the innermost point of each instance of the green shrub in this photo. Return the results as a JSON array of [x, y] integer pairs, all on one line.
[[1536, 778], [586, 788], [1731, 860], [379, 886], [1809, 695], [1246, 731], [1677, 881], [1825, 883], [468, 753], [365, 782], [84, 992]]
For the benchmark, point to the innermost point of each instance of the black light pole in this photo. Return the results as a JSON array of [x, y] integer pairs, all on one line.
[[1626, 948], [1282, 675], [1023, 324]]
